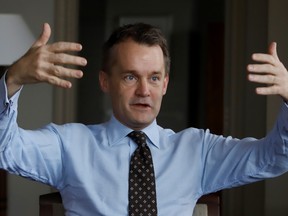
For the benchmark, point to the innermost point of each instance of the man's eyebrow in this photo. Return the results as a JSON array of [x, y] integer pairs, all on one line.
[[129, 72], [137, 73], [157, 72]]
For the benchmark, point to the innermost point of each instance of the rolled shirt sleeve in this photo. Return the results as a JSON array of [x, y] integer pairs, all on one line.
[[34, 154], [231, 162], [7, 105]]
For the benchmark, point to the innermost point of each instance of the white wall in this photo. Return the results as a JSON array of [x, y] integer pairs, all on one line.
[[35, 106]]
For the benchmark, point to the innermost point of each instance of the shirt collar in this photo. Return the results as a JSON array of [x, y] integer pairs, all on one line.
[[117, 132]]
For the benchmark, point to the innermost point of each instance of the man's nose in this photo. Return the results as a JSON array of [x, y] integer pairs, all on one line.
[[143, 88]]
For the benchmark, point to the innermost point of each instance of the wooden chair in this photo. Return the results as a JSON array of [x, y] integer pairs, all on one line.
[[51, 204], [212, 203]]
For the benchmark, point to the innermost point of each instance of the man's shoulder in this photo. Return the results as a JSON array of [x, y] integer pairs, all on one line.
[[75, 127]]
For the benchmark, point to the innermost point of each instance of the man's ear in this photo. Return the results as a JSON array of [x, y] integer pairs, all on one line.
[[165, 85], [103, 81]]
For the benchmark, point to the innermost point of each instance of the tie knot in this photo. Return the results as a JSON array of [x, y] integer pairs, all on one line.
[[139, 137]]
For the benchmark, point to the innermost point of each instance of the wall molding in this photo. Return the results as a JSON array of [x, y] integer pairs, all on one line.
[[66, 29]]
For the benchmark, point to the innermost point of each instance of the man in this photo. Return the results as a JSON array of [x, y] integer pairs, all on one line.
[[90, 164]]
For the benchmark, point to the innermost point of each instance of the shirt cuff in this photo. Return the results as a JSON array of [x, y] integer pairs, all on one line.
[[4, 100]]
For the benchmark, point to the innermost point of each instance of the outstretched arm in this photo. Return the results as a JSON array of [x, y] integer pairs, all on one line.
[[45, 63], [269, 71]]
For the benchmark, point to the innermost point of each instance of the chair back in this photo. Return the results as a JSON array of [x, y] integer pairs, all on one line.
[[51, 205], [208, 205]]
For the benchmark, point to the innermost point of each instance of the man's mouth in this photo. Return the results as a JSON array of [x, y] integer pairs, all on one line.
[[141, 105]]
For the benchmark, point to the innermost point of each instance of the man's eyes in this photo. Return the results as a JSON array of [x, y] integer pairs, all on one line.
[[129, 77], [155, 78]]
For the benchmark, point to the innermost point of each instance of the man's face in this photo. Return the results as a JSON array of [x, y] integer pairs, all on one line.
[[136, 83]]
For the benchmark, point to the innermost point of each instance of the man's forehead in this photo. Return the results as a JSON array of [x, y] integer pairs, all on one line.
[[132, 50]]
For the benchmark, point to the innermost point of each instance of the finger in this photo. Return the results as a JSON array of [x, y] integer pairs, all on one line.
[[59, 82], [66, 59], [63, 72], [59, 47], [265, 58], [267, 79], [54, 80], [271, 57], [44, 37], [271, 90], [261, 68]]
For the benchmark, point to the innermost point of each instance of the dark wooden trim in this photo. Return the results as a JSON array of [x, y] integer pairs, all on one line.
[[3, 174], [3, 193], [2, 70]]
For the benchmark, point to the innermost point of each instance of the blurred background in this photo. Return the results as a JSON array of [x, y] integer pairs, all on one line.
[[211, 43]]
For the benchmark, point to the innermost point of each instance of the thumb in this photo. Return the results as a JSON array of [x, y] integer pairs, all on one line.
[[273, 50], [44, 37]]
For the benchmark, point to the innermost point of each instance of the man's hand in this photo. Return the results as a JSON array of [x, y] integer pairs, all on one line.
[[270, 71], [45, 63]]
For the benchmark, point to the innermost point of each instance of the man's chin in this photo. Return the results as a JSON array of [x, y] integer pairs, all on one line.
[[141, 123]]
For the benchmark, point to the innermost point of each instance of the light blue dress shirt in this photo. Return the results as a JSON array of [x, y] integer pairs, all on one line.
[[89, 164]]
